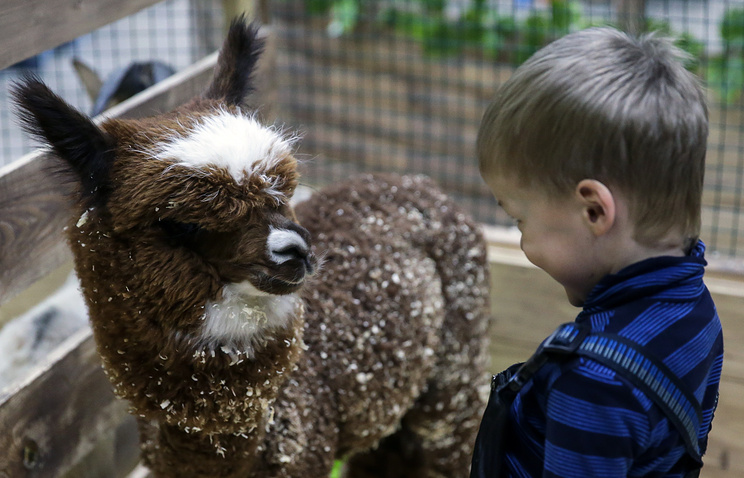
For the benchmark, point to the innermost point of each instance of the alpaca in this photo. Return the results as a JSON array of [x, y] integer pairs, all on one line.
[[239, 350]]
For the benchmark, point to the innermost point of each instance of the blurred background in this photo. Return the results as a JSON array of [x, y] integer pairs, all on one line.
[[400, 85]]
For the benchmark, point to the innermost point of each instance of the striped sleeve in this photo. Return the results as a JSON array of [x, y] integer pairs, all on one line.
[[595, 424]]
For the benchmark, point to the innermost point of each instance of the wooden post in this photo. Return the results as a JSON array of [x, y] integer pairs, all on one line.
[[233, 8], [631, 15]]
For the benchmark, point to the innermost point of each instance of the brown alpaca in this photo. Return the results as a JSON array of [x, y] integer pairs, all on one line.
[[237, 357]]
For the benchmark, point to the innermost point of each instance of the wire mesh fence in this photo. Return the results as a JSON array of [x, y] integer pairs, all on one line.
[[173, 33], [400, 85]]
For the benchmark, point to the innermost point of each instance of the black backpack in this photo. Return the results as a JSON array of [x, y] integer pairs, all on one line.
[[621, 355]]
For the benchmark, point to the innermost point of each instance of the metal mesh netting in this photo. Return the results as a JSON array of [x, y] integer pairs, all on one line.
[[174, 33], [401, 85]]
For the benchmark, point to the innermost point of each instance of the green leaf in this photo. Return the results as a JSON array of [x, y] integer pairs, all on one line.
[[732, 28], [336, 472], [536, 29], [344, 15], [726, 77], [565, 15], [318, 7], [434, 6]]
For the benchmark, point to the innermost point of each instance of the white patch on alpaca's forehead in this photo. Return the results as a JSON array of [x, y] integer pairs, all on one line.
[[236, 142], [244, 316], [282, 245]]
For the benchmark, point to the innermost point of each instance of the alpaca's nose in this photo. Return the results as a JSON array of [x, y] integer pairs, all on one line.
[[289, 244]]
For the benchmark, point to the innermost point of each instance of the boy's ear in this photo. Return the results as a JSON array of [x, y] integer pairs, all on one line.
[[598, 205], [87, 151]]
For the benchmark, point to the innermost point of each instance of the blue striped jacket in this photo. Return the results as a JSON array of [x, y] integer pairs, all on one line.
[[578, 419]]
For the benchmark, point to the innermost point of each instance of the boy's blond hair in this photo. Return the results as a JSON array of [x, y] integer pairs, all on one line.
[[599, 104]]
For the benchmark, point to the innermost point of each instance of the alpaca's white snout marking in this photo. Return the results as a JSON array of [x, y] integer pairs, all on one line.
[[284, 245]]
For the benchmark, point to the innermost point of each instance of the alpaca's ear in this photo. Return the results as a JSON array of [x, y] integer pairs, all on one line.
[[236, 63], [87, 150]]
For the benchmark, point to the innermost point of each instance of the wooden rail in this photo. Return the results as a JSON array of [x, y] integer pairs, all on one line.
[[29, 27], [57, 418], [34, 207]]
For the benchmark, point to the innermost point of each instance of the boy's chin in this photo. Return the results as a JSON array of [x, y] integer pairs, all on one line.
[[575, 299]]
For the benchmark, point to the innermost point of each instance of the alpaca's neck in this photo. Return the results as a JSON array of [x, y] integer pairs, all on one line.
[[244, 317]]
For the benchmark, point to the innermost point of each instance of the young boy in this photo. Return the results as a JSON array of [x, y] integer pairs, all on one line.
[[596, 147]]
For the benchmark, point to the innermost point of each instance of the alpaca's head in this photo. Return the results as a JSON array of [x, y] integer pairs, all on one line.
[[206, 184]]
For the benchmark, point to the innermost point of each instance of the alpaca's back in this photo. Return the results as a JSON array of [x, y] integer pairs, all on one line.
[[395, 329]]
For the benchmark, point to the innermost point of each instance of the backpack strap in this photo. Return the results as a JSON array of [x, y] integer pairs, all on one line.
[[645, 372]]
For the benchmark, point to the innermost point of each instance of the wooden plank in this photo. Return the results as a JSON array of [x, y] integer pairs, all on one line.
[[33, 212], [521, 322], [115, 455], [33, 202], [54, 420], [29, 27]]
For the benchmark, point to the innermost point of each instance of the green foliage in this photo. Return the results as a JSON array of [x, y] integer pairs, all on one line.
[[726, 71], [336, 472], [508, 39], [502, 36], [344, 16], [732, 28]]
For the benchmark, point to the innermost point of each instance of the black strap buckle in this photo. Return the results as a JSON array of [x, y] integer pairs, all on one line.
[[565, 340]]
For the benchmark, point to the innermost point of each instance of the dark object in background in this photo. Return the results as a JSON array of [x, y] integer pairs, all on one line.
[[120, 85]]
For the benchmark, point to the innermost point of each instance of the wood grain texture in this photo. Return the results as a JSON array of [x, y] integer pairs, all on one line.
[[33, 212], [53, 421], [29, 27]]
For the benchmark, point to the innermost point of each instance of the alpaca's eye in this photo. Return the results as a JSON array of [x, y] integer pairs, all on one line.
[[181, 231]]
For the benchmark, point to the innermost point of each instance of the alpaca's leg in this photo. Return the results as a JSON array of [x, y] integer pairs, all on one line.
[[170, 452], [399, 455], [435, 440]]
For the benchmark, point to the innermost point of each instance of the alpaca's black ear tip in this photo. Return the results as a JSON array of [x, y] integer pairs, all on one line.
[[26, 87], [240, 21], [242, 27], [243, 22]]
